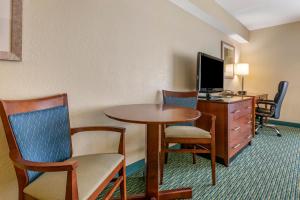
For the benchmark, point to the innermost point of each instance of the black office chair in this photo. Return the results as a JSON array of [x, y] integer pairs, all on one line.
[[271, 108]]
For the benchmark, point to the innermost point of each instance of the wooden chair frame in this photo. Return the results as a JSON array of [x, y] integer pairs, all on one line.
[[9, 107], [207, 145]]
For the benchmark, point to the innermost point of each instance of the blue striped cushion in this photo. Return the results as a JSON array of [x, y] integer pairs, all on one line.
[[188, 102], [42, 136]]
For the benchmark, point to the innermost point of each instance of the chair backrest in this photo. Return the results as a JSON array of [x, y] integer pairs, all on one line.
[[183, 99], [282, 89], [37, 130]]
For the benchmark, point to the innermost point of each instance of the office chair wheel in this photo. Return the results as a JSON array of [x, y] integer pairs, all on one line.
[[257, 128], [277, 131]]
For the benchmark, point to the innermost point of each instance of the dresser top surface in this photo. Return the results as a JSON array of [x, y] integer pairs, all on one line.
[[227, 100]]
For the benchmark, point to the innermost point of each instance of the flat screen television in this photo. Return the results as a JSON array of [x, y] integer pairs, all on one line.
[[210, 74]]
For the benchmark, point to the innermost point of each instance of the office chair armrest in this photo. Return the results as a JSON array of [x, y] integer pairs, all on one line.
[[268, 102], [207, 122], [68, 165], [105, 128]]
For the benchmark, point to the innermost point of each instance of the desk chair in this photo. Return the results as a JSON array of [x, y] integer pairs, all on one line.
[[39, 138], [271, 108], [187, 132]]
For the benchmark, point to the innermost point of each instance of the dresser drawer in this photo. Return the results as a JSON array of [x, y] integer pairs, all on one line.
[[237, 124], [242, 120], [238, 143], [240, 128], [240, 109], [237, 136]]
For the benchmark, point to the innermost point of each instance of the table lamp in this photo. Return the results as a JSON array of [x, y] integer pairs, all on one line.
[[242, 69]]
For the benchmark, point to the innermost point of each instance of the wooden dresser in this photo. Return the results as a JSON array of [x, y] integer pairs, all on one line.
[[234, 124], [256, 96]]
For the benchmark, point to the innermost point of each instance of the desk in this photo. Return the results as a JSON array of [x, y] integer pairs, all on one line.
[[154, 116], [256, 95], [234, 124]]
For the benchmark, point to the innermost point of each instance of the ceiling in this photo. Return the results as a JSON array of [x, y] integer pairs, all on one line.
[[257, 14]]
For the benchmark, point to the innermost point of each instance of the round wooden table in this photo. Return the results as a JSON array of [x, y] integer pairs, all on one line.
[[154, 115]]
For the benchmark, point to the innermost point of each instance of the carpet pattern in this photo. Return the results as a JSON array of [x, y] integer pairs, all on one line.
[[269, 169]]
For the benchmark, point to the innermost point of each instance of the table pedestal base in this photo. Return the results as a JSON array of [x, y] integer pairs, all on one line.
[[154, 116], [152, 171], [182, 193]]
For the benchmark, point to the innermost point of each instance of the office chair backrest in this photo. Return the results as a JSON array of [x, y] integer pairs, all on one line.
[[282, 88]]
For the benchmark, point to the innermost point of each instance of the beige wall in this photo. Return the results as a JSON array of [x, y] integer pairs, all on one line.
[[274, 55], [5, 13], [226, 19], [103, 53]]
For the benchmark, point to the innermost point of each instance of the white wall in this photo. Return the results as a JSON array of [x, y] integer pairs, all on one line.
[[103, 53], [273, 55]]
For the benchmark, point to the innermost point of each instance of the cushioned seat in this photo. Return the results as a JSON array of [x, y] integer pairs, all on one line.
[[91, 172], [186, 132], [263, 110]]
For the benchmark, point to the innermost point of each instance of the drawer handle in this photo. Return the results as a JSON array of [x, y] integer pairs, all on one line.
[[250, 136], [237, 111], [249, 107], [236, 146], [237, 128], [249, 122]]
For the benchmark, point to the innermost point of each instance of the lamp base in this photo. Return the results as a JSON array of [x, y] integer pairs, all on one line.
[[242, 92]]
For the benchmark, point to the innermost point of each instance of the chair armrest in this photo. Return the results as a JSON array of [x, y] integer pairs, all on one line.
[[98, 128], [207, 122], [104, 128], [268, 102], [69, 165]]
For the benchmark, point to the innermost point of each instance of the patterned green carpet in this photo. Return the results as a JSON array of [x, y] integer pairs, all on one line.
[[269, 169]]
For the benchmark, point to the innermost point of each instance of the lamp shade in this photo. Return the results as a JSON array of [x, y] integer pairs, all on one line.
[[242, 69]]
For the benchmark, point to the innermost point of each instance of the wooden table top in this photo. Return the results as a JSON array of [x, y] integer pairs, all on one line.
[[152, 113]]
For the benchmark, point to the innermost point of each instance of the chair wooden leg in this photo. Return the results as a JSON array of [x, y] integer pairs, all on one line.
[[123, 192], [72, 187], [194, 158], [27, 197], [213, 163], [162, 159], [162, 154], [22, 196], [194, 155], [166, 154]]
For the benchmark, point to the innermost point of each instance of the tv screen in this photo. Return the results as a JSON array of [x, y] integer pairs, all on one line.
[[210, 73]]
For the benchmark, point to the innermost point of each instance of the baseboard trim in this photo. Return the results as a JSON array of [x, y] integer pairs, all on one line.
[[284, 123], [136, 166]]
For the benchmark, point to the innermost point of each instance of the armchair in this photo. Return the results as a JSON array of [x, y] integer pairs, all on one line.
[[39, 137], [271, 108], [200, 134]]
